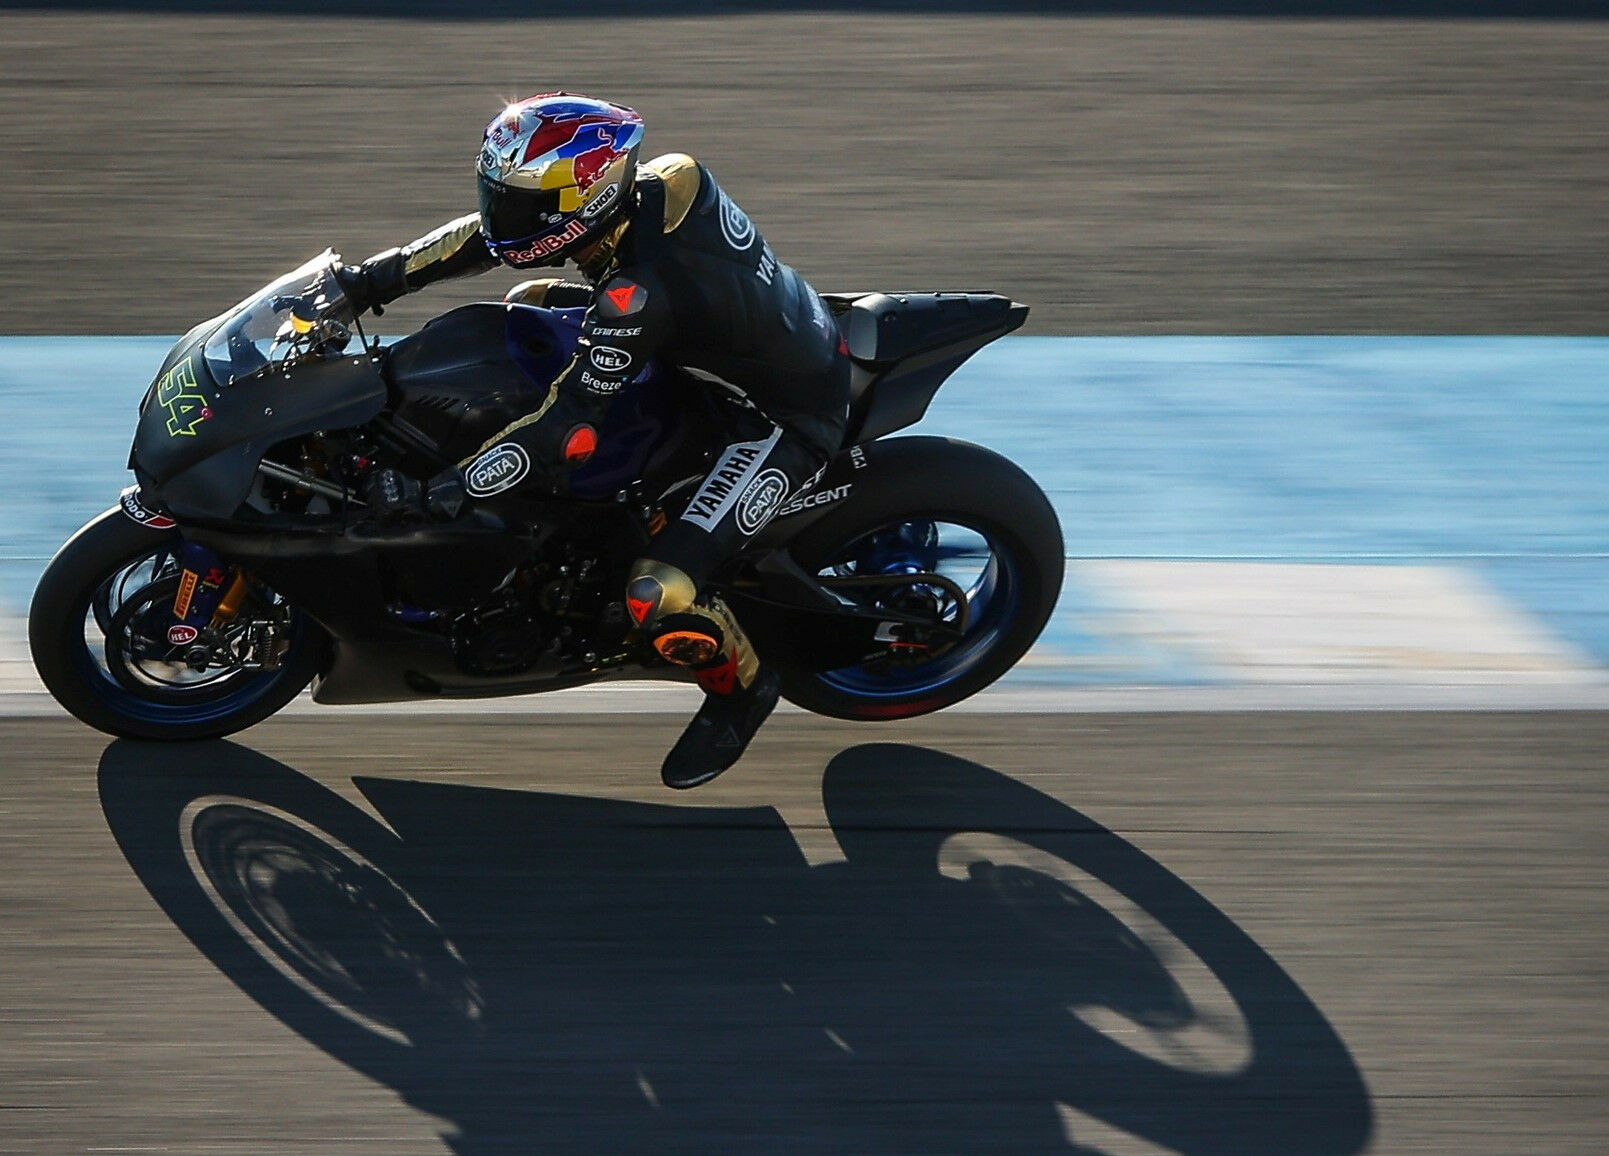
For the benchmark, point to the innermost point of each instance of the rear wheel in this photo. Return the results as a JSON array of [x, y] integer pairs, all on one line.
[[98, 632], [941, 532]]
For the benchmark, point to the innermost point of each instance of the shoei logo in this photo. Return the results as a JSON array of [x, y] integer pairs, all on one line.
[[761, 500], [735, 224], [496, 470], [599, 203]]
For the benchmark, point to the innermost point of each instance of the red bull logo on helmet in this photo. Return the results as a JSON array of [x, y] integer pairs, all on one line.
[[535, 250]]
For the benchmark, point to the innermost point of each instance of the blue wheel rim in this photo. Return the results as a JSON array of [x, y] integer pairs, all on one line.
[[127, 583], [971, 557]]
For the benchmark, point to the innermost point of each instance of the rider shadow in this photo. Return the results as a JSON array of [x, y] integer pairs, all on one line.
[[986, 969]]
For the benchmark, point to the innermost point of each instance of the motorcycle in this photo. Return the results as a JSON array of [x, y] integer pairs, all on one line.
[[244, 565]]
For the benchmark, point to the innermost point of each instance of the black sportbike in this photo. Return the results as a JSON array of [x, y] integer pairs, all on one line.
[[244, 565]]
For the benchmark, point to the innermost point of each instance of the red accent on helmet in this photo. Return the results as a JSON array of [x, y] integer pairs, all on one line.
[[639, 608], [580, 444], [622, 296]]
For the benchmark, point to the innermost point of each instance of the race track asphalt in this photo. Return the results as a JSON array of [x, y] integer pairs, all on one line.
[[1226, 933]]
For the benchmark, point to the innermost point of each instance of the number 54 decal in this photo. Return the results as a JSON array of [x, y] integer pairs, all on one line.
[[181, 396]]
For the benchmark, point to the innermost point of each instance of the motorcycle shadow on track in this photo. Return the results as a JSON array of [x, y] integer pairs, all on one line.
[[987, 970]]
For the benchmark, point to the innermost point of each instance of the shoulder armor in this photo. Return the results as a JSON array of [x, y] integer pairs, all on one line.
[[683, 179]]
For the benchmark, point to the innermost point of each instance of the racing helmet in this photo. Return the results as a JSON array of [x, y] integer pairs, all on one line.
[[555, 170]]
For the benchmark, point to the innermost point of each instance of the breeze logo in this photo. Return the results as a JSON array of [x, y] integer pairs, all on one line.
[[729, 480], [498, 469], [608, 359], [181, 396]]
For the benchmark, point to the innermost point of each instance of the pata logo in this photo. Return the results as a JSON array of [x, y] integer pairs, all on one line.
[[760, 501], [497, 469]]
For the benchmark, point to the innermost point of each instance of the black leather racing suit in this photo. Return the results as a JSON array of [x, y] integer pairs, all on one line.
[[686, 277]]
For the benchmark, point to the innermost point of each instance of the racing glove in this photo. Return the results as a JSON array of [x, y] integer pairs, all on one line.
[[392, 496], [375, 283]]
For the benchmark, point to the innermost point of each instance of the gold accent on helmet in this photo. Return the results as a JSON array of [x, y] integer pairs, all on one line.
[[682, 182], [440, 244]]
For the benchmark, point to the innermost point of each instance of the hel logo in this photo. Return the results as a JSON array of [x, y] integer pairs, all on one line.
[[498, 469], [187, 591], [761, 500], [626, 297], [735, 224], [609, 359], [179, 394], [182, 635]]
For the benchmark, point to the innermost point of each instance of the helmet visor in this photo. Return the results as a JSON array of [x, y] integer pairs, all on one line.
[[510, 215]]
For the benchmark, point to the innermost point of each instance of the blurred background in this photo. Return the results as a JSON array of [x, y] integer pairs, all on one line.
[[1126, 168]]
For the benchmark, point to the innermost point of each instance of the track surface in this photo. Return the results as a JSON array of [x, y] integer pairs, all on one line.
[[1120, 175], [1196, 933]]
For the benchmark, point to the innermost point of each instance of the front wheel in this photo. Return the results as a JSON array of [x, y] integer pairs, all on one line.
[[97, 629], [942, 530]]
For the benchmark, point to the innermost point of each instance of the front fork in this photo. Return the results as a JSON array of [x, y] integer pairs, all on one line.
[[209, 597]]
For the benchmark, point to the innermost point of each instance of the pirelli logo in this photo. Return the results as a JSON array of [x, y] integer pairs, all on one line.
[[187, 592]]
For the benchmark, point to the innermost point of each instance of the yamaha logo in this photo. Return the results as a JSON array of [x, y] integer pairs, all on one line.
[[761, 500], [608, 359], [735, 224], [498, 469]]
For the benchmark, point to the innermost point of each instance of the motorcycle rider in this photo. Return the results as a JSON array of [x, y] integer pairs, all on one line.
[[675, 270]]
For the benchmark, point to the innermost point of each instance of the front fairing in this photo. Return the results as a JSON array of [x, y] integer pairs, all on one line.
[[269, 369]]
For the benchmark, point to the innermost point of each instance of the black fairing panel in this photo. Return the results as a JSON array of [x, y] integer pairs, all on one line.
[[206, 472], [457, 381], [913, 342]]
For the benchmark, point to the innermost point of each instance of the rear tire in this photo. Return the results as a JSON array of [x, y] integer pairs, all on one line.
[[71, 590], [937, 480]]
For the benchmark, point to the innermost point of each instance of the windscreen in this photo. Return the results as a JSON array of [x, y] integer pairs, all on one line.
[[302, 314]]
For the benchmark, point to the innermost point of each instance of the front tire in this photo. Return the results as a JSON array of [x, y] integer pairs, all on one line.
[[89, 602], [914, 489]]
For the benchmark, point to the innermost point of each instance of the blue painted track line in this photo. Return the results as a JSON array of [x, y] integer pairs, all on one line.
[[1484, 453]]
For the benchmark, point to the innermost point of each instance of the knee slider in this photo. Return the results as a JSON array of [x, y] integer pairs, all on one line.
[[689, 639], [655, 590]]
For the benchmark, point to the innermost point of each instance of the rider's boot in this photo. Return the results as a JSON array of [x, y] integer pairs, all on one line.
[[739, 694]]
